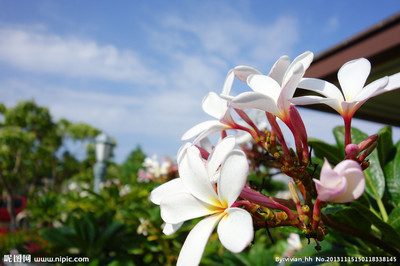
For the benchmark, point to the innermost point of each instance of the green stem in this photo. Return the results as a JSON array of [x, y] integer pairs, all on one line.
[[382, 209]]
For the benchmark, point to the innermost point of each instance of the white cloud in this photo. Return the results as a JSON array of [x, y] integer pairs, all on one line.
[[35, 50], [232, 38], [332, 25]]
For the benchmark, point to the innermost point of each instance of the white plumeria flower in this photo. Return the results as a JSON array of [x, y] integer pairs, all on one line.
[[174, 186], [218, 108], [156, 169], [294, 242], [344, 183], [212, 198], [352, 77], [273, 93]]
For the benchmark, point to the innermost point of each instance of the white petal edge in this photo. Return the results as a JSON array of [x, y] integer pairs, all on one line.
[[278, 70], [243, 72], [255, 100], [371, 90], [219, 154], [193, 247], [199, 128], [169, 188], [289, 88], [194, 176], [234, 171], [226, 89], [213, 128], [170, 229], [182, 207], [265, 85], [235, 230], [394, 83], [214, 105], [304, 60], [322, 87], [306, 100]]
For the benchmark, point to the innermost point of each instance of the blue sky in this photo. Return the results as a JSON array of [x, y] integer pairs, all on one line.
[[139, 69]]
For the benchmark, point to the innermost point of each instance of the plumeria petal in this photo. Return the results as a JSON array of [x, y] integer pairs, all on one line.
[[199, 128], [288, 90], [235, 230], [278, 70], [243, 72], [255, 100], [195, 177], [234, 172], [322, 87], [181, 207], [204, 129], [345, 165], [213, 128], [219, 154], [193, 248], [330, 177], [226, 89], [394, 83], [169, 188], [355, 186], [326, 193], [214, 105], [265, 85], [352, 76], [304, 60], [306, 100], [371, 89], [170, 229]]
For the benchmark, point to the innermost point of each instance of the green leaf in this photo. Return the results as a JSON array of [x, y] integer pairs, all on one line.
[[394, 219], [392, 174], [388, 233], [338, 132], [385, 146], [349, 216], [374, 177], [322, 149]]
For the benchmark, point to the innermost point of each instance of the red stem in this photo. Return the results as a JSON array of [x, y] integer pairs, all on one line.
[[347, 130], [262, 200]]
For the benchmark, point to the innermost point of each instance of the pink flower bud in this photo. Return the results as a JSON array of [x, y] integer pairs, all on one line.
[[352, 150]]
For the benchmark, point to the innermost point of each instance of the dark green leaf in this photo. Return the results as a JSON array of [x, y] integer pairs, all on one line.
[[338, 132], [349, 216], [388, 233], [394, 219], [322, 149], [392, 174], [385, 145]]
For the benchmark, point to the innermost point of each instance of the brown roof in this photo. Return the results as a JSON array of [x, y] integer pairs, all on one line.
[[380, 44]]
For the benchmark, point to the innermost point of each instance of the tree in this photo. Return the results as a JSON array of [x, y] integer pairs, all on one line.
[[132, 165], [33, 148]]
